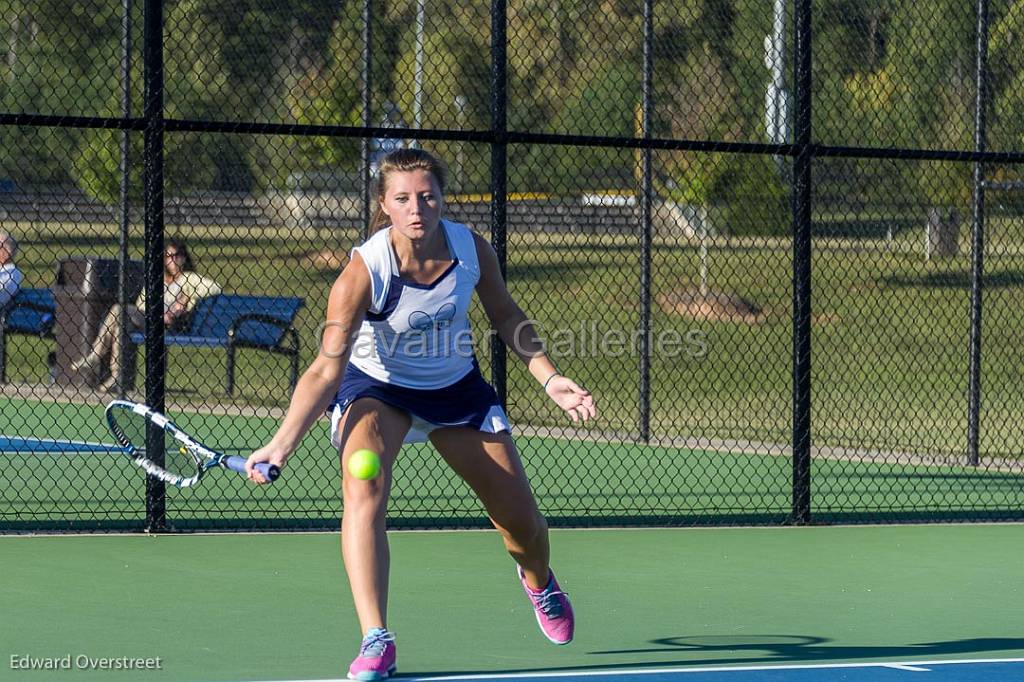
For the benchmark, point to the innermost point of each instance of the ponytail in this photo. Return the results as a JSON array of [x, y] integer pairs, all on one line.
[[379, 219]]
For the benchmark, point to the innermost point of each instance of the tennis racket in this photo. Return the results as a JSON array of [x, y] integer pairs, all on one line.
[[185, 459]]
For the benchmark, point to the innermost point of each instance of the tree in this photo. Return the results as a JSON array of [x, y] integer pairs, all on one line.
[[59, 60], [1007, 74]]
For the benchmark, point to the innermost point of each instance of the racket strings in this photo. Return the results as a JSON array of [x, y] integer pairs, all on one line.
[[177, 460]]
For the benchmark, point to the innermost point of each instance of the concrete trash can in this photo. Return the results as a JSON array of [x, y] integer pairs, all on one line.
[[86, 288]]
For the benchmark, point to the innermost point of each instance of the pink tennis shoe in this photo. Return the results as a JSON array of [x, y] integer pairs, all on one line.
[[376, 659], [553, 610]]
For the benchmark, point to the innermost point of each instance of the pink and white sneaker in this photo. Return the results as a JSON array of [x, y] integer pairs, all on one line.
[[553, 610], [376, 659]]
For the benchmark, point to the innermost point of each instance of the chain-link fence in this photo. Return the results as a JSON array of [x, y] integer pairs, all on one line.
[[781, 243]]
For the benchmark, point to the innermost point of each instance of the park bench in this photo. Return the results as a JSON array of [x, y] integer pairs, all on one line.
[[31, 313], [234, 321]]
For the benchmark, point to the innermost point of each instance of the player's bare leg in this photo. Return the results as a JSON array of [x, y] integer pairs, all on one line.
[[490, 464], [376, 426]]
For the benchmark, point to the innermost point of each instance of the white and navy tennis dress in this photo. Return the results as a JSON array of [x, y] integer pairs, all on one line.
[[414, 350]]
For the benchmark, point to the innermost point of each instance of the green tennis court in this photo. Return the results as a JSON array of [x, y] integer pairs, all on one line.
[[276, 606], [690, 485], [853, 603]]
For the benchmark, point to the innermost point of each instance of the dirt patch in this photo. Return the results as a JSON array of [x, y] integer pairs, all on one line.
[[711, 305], [825, 318], [326, 259]]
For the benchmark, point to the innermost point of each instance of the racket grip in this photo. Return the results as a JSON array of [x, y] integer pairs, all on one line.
[[270, 471]]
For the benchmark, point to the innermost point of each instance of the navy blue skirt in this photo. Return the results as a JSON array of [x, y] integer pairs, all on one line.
[[470, 401]]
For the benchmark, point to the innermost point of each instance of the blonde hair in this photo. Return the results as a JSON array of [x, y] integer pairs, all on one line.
[[404, 161]]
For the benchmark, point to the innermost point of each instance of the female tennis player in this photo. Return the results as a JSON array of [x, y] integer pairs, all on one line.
[[396, 365]]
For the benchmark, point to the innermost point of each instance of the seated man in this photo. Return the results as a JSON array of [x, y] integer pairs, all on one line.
[[10, 275], [183, 288]]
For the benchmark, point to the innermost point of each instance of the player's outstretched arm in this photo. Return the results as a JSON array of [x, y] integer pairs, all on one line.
[[518, 332], [346, 307]]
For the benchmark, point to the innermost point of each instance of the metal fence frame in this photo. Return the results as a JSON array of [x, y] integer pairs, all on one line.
[[802, 151]]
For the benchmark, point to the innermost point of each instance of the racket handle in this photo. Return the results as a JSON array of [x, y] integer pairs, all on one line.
[[269, 471]]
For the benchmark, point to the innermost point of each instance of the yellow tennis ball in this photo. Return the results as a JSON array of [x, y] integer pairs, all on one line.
[[364, 464]]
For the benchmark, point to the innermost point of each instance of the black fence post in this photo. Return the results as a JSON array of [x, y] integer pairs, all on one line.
[[977, 236], [153, 186], [801, 510], [647, 101], [499, 173]]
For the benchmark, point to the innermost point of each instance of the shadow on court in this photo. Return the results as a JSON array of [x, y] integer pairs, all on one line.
[[769, 649]]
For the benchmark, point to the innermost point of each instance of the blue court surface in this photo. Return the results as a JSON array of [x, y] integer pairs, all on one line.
[[935, 671]]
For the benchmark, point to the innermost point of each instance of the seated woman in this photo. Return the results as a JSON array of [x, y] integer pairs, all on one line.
[[183, 288], [10, 276]]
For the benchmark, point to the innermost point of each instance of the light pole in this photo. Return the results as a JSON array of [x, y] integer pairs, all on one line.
[[460, 108], [776, 98], [417, 107]]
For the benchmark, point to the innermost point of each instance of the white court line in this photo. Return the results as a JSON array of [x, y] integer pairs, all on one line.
[[54, 441], [901, 665]]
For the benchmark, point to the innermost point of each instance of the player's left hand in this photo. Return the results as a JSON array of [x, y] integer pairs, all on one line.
[[572, 398]]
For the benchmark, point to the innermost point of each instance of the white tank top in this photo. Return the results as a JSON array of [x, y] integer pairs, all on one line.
[[418, 335]]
